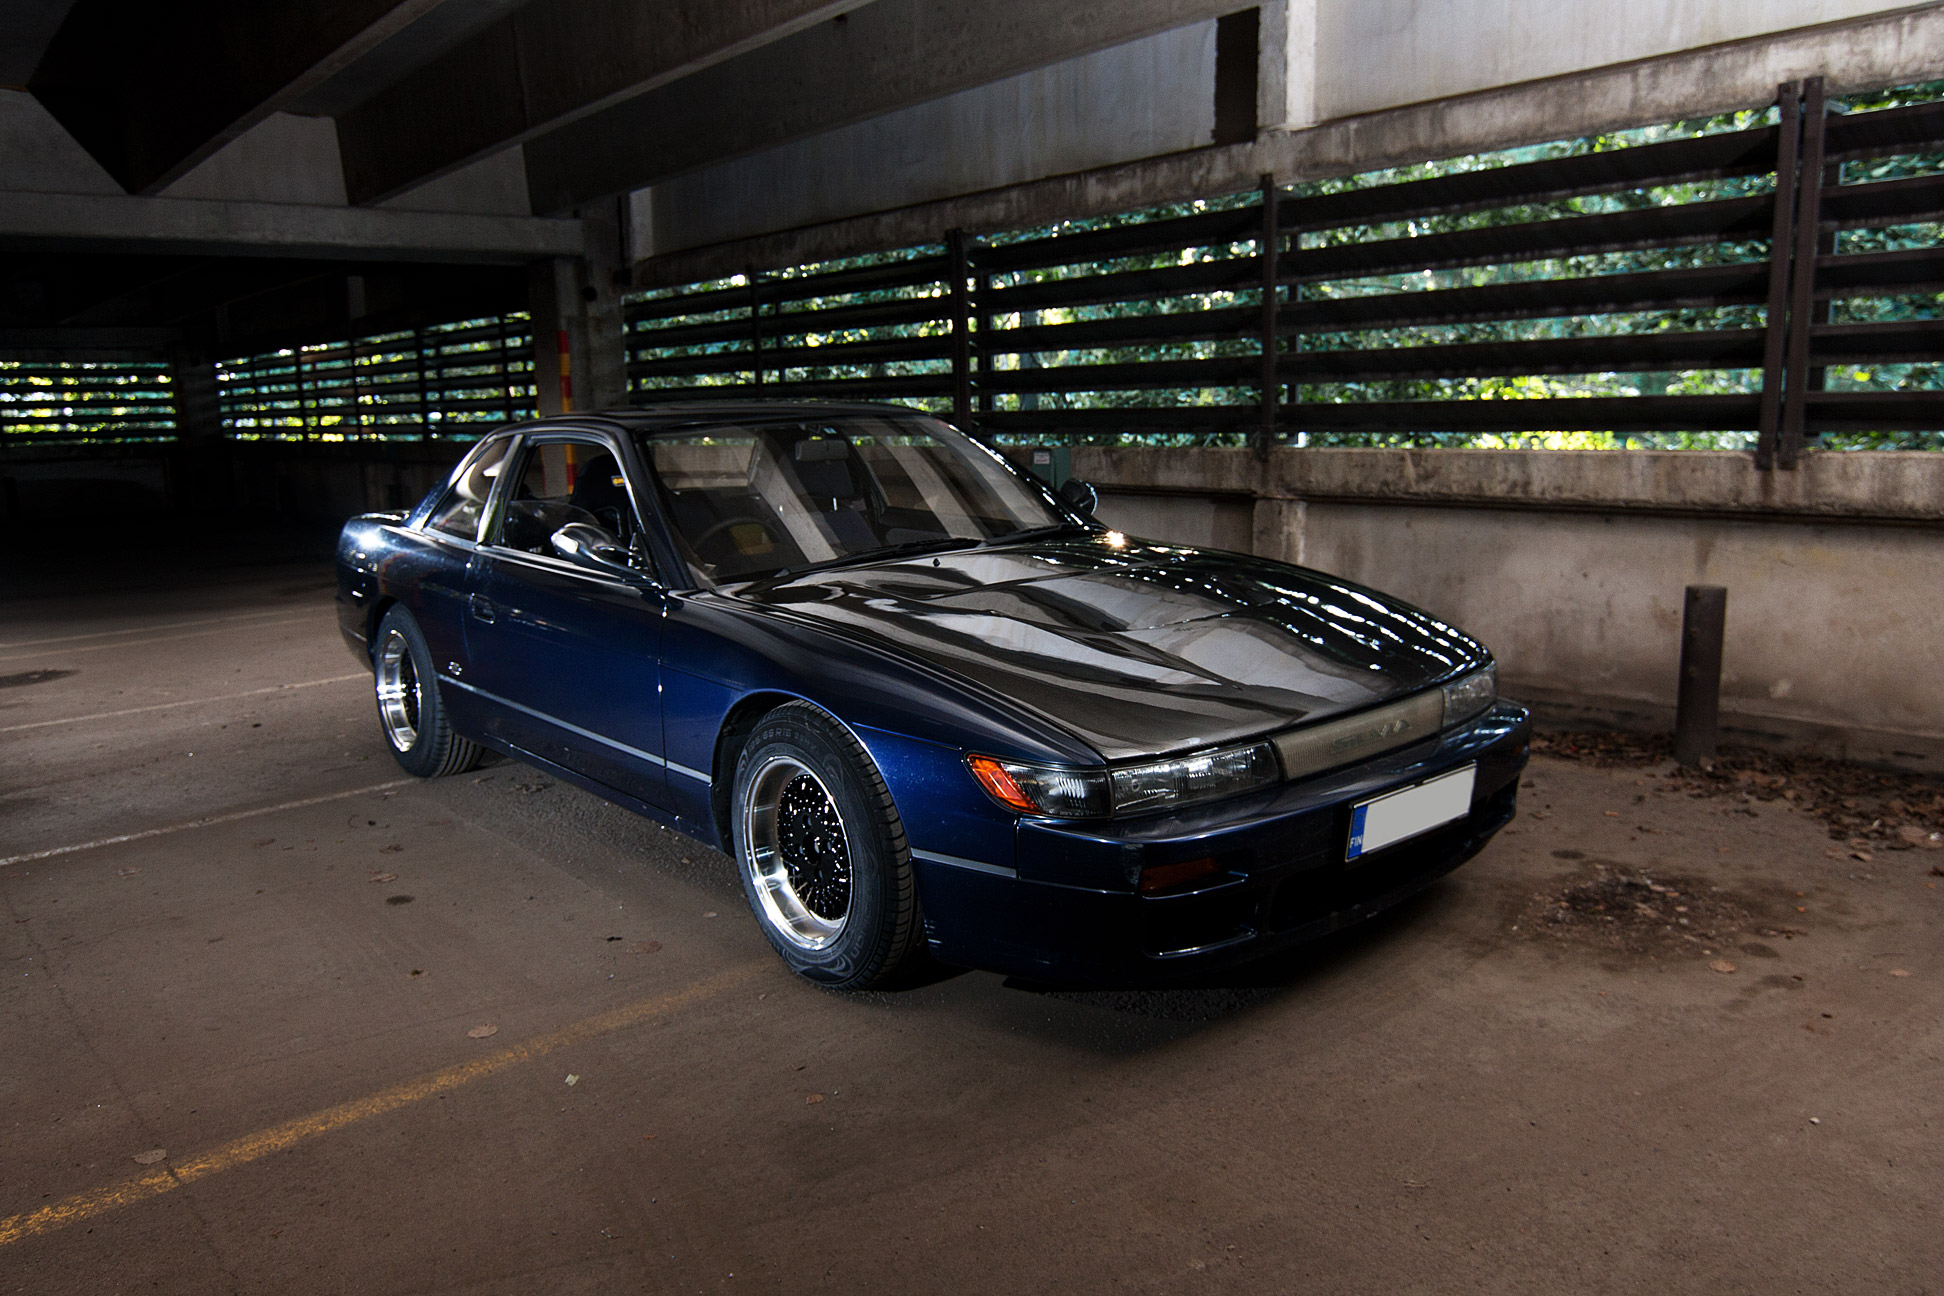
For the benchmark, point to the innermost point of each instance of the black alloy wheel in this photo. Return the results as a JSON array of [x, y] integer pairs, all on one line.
[[410, 711], [822, 852]]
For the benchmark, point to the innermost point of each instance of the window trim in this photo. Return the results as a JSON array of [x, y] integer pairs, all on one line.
[[480, 448], [531, 439]]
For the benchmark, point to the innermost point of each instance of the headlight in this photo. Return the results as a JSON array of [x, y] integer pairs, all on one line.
[[1184, 780], [1188, 779], [1467, 696]]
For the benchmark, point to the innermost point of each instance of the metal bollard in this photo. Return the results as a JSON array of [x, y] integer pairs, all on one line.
[[1697, 706]]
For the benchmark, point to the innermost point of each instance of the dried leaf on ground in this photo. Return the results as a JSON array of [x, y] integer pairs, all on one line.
[[149, 1157], [1614, 906], [384, 877], [813, 1100], [482, 1031], [1860, 805], [1899, 972], [1721, 965], [644, 947]]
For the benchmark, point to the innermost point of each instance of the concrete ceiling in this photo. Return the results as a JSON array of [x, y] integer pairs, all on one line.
[[603, 95], [26, 27]]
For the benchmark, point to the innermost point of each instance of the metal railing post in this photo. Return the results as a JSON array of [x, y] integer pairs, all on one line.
[[961, 270], [1781, 240], [1697, 705], [1808, 221], [1269, 249]]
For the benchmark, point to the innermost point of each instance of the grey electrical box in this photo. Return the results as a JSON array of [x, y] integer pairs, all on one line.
[[1051, 464]]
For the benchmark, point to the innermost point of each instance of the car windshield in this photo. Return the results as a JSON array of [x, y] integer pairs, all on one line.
[[762, 497]]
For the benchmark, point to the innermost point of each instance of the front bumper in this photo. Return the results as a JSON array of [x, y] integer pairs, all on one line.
[[1072, 914]]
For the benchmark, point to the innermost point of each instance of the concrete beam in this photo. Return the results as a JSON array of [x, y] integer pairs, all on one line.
[[150, 90], [1142, 98], [1856, 55], [86, 222], [540, 67], [1879, 486], [885, 56]]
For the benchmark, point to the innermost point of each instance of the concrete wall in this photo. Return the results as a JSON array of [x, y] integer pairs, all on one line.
[[1377, 54], [1571, 566]]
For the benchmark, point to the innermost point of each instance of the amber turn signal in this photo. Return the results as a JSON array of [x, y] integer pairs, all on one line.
[[994, 778]]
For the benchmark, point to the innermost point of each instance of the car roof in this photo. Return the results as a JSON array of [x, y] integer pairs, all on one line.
[[676, 414]]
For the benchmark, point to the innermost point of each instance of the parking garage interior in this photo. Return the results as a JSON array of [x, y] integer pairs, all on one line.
[[1539, 315]]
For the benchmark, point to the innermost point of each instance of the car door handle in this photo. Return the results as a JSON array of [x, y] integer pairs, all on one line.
[[482, 608]]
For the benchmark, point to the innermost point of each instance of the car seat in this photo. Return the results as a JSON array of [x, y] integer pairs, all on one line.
[[599, 489]]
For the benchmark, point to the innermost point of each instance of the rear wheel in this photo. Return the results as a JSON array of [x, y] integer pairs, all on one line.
[[822, 852], [410, 711]]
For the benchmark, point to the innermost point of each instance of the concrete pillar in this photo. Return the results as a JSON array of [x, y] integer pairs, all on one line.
[[1279, 527], [553, 300], [1286, 83], [576, 307], [198, 412], [199, 472], [606, 278]]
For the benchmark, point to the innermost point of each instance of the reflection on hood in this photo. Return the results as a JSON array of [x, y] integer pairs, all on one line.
[[1140, 649]]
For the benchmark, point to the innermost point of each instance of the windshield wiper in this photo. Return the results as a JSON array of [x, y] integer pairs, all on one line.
[[1029, 533], [902, 549]]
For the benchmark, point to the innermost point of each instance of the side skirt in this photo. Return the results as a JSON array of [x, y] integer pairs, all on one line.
[[688, 828]]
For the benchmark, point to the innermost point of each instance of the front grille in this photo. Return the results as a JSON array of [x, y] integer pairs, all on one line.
[[1314, 895]]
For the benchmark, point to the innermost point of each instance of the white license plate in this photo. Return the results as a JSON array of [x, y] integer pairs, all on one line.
[[1382, 821]]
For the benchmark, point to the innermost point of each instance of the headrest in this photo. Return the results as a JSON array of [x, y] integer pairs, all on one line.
[[821, 450]]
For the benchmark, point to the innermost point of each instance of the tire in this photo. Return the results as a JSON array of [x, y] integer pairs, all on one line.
[[822, 853], [411, 714]]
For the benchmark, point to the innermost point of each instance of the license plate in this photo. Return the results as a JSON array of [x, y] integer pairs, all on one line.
[[1395, 816]]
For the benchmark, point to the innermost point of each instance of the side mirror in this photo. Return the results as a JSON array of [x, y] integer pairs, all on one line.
[[588, 546], [1080, 496]]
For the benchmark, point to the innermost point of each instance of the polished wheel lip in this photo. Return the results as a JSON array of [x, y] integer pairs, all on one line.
[[398, 688], [763, 863]]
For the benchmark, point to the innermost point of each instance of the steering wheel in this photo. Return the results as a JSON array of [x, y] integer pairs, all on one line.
[[711, 532]]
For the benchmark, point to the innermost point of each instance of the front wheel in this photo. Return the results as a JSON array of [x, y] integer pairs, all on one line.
[[410, 711], [822, 852]]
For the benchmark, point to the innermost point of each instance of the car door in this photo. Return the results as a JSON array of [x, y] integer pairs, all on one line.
[[430, 566], [568, 659]]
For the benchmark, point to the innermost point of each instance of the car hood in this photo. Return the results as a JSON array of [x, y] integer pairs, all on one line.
[[1137, 648]]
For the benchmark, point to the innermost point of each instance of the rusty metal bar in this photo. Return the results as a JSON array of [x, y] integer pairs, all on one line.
[[961, 270], [1697, 706], [983, 279], [755, 328], [1269, 252], [1802, 300], [1781, 240], [1824, 308]]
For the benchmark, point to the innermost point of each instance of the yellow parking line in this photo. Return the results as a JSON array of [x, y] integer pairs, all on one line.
[[208, 822], [254, 1147]]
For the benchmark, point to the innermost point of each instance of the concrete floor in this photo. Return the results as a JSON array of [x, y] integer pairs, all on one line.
[[282, 1002]]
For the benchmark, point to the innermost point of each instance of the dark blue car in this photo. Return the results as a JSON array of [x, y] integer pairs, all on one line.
[[922, 699]]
